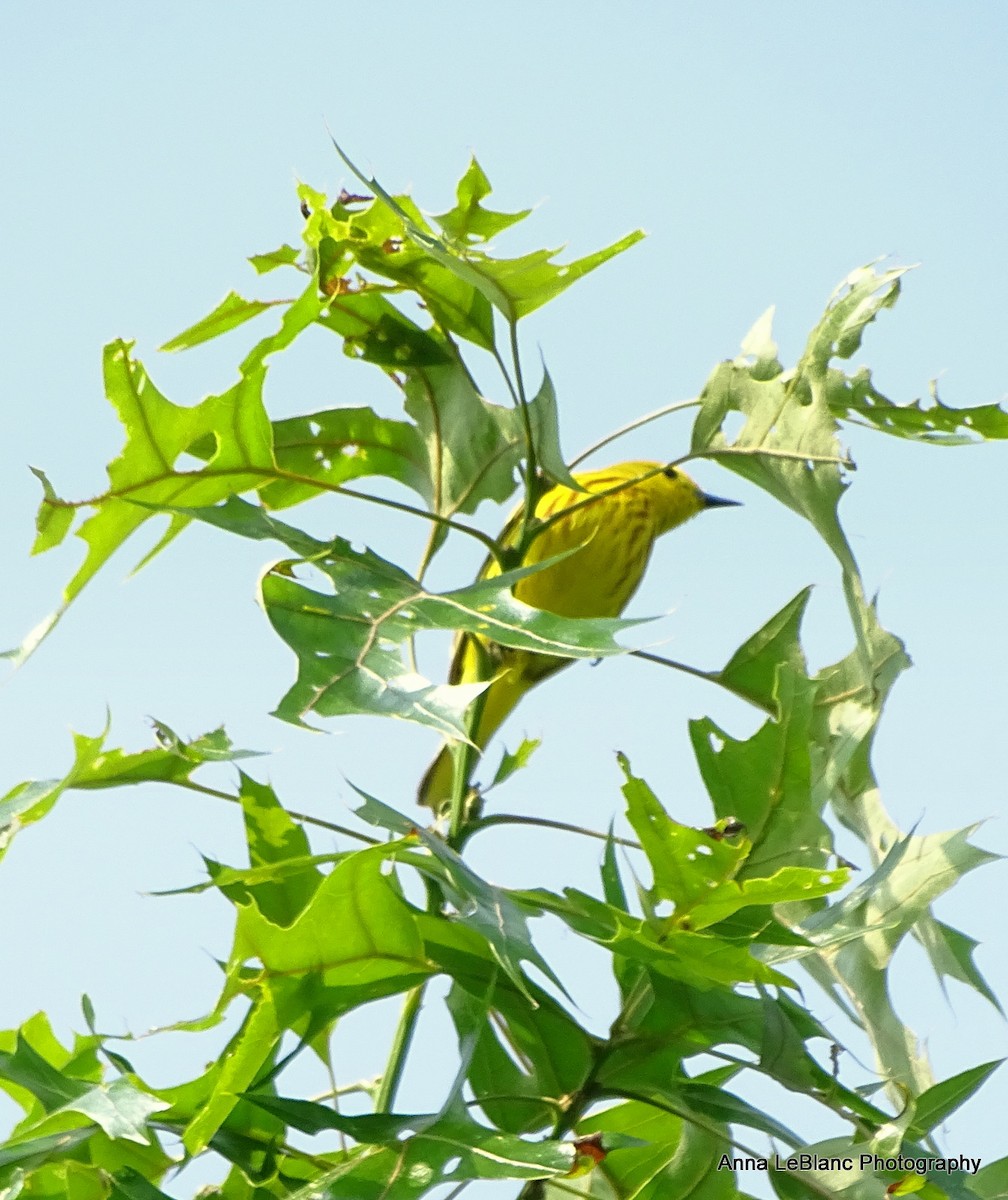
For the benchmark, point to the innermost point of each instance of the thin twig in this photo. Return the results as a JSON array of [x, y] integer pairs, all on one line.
[[714, 677], [547, 823], [632, 425], [293, 812]]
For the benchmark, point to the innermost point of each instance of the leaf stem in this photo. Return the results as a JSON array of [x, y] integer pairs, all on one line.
[[400, 1049], [714, 677], [489, 542], [545, 823], [632, 425], [271, 475], [715, 452], [533, 483], [307, 818]]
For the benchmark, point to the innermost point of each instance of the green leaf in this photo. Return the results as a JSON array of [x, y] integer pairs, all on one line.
[[858, 936], [472, 445], [849, 702], [54, 517], [787, 445], [283, 256], [708, 1106], [119, 1108], [765, 781], [526, 1054], [31, 1152], [375, 331], [516, 286], [951, 954], [356, 933], [524, 1024], [856, 398], [158, 433], [991, 1181], [613, 891], [173, 760], [855, 303], [752, 669], [319, 452], [488, 910], [331, 448], [389, 240], [347, 642], [532, 280], [275, 838], [233, 310], [685, 1021], [451, 1150], [815, 1182], [516, 761], [702, 960], [938, 1103], [95, 766], [128, 1184], [545, 423], [469, 221], [678, 1159], [254, 1046], [31, 800], [700, 874]]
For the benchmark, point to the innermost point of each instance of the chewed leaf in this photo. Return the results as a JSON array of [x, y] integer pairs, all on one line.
[[480, 905], [349, 639], [855, 303], [856, 398], [469, 221], [283, 256], [350, 643], [172, 760], [514, 286], [702, 875]]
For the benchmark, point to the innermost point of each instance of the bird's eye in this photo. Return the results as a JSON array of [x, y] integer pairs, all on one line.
[[670, 473]]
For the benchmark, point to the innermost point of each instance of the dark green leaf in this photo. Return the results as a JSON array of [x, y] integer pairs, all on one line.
[[526, 1054], [700, 959], [752, 669]]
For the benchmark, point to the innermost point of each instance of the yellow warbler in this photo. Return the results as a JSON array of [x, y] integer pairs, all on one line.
[[615, 532]]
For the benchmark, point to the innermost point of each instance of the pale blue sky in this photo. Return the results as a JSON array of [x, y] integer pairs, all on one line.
[[767, 150]]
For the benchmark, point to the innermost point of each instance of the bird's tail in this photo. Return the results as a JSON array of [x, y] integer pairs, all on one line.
[[436, 786]]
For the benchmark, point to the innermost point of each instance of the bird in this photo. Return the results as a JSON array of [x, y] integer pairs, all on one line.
[[611, 525]]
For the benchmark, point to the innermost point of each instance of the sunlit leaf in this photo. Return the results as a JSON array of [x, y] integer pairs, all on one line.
[[469, 221], [702, 875], [232, 311]]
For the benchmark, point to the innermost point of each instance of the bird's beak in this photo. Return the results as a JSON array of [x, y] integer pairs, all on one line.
[[719, 502]]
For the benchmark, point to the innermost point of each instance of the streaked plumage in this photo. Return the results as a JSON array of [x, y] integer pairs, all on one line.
[[616, 533]]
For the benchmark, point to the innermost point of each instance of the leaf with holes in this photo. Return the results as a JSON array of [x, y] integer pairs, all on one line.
[[349, 639]]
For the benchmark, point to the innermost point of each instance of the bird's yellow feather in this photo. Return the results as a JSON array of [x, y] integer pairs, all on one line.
[[633, 504]]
